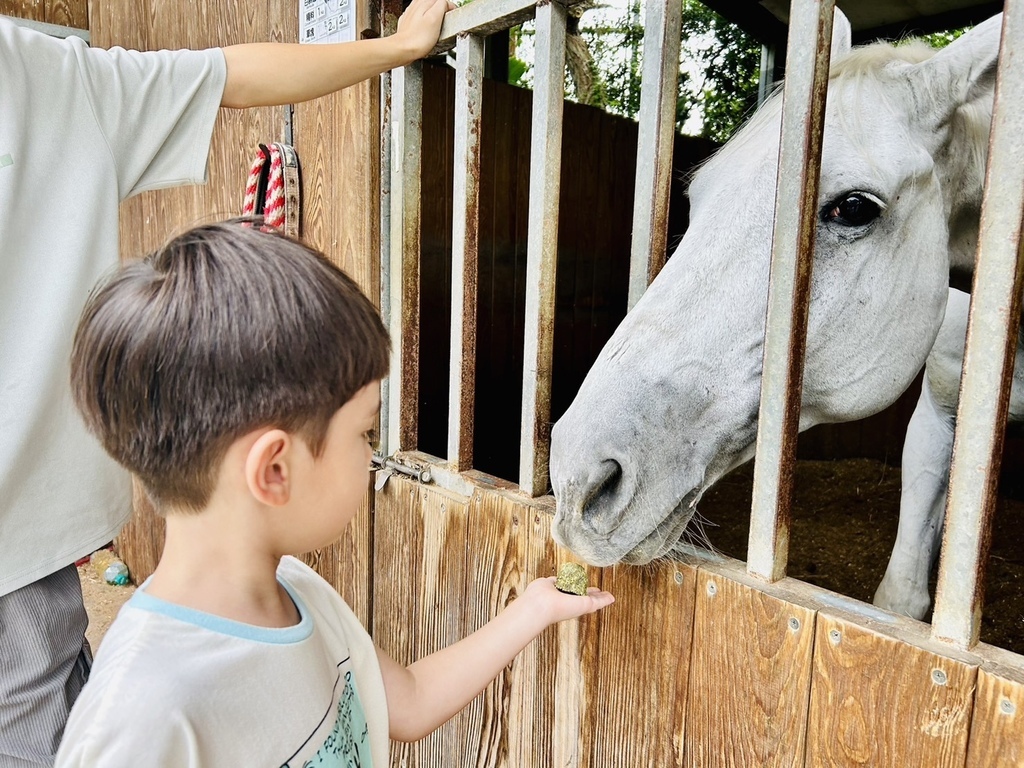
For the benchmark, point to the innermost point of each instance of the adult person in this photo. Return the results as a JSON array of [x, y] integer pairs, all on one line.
[[80, 130]]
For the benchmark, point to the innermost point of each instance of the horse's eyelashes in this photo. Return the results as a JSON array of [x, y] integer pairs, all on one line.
[[854, 209]]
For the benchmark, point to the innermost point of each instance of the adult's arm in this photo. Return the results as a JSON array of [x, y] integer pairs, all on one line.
[[265, 74]]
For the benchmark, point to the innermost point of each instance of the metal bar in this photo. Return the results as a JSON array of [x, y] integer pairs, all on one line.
[[385, 245], [988, 359], [803, 115], [54, 30], [485, 17], [389, 13], [658, 99], [542, 247], [469, 72], [404, 258]]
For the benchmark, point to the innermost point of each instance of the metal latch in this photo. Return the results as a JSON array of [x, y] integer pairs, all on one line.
[[390, 465]]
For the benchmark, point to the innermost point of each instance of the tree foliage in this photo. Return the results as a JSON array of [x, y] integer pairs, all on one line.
[[718, 78], [719, 72]]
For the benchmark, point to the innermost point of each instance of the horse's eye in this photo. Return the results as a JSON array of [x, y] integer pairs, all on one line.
[[853, 210]]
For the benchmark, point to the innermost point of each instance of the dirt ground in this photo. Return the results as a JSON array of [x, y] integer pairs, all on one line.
[[102, 602], [845, 515]]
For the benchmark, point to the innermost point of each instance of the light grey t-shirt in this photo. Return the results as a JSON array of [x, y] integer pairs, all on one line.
[[80, 130], [173, 686]]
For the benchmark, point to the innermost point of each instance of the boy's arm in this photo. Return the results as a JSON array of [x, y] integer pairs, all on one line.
[[426, 694], [266, 74]]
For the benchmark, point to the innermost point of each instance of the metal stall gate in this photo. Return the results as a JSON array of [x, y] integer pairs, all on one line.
[[717, 662]]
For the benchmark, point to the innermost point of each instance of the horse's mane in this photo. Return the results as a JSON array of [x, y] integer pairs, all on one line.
[[861, 67]]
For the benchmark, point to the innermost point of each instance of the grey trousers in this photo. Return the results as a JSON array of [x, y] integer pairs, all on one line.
[[44, 662]]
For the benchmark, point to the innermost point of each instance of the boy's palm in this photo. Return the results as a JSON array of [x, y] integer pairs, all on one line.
[[559, 606]]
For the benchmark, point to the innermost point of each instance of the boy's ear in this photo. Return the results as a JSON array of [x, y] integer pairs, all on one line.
[[266, 468]]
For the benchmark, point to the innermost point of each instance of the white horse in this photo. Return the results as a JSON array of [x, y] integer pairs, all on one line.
[[671, 403]]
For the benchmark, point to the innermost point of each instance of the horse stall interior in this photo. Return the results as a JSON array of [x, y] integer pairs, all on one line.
[[699, 662]]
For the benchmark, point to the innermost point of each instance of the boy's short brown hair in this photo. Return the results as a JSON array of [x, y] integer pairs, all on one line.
[[226, 329]]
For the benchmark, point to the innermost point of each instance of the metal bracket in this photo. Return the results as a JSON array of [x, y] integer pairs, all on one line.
[[390, 465]]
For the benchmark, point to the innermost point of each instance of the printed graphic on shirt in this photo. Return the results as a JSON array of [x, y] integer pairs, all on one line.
[[347, 744], [6, 160]]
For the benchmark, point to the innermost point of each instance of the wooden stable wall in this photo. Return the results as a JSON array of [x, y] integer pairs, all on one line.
[[66, 13], [694, 665]]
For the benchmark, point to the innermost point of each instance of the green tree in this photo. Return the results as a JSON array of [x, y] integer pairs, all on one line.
[[718, 79]]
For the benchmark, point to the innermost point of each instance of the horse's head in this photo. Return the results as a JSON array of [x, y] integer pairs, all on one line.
[[671, 403]]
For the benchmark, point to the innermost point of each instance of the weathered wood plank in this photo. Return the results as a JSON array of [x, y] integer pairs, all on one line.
[[749, 677], [498, 542], [643, 669], [440, 605], [397, 546], [997, 723], [880, 701], [68, 13]]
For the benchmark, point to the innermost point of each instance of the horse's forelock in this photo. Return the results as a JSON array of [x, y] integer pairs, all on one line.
[[869, 61]]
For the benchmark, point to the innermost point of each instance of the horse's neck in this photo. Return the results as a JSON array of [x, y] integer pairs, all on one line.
[[962, 168]]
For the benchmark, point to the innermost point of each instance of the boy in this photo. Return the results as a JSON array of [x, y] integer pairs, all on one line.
[[81, 129], [236, 373]]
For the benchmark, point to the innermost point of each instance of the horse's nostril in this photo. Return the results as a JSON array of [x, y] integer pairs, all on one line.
[[600, 510]]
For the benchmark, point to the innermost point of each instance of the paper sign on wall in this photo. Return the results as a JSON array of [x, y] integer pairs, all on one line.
[[326, 21]]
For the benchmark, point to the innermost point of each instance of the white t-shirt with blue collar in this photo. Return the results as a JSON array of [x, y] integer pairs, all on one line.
[[175, 686]]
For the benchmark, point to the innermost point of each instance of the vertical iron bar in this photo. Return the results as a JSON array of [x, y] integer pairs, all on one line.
[[389, 12], [656, 134], [796, 200], [469, 72], [992, 334], [542, 246], [407, 138]]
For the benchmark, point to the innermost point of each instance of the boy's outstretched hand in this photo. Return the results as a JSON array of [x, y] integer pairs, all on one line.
[[420, 25], [558, 606]]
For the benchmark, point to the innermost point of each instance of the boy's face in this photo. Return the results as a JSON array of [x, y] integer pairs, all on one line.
[[335, 484]]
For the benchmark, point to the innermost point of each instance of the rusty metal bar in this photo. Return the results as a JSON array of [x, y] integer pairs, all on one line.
[[485, 17], [404, 258], [542, 247], [465, 248], [658, 98], [390, 11], [803, 113], [988, 359]]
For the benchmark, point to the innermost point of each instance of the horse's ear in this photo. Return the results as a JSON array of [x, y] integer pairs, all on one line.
[[966, 68], [842, 36]]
